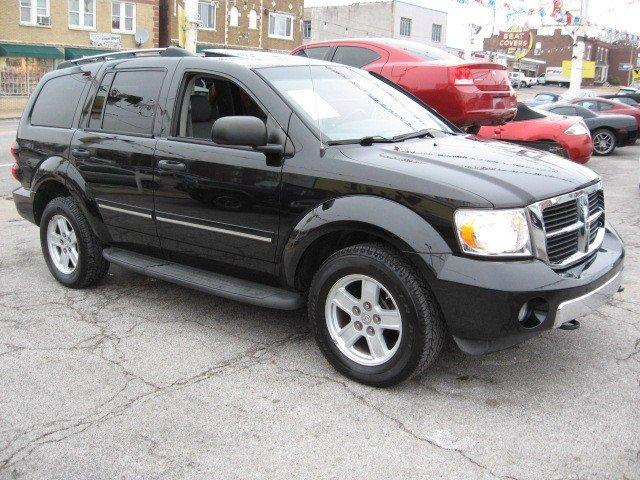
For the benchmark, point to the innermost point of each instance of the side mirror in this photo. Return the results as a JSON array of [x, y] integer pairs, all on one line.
[[239, 130]]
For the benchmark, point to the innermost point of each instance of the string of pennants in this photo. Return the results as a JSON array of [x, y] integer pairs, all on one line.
[[555, 13]]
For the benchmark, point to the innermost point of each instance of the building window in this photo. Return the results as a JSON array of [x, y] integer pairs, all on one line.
[[280, 25], [82, 14], [436, 33], [35, 12], [405, 27], [207, 14], [253, 20], [306, 29], [234, 15], [123, 17], [587, 53], [605, 55]]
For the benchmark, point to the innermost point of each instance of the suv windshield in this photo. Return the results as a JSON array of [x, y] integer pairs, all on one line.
[[347, 104]]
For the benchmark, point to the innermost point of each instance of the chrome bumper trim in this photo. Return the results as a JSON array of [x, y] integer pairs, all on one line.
[[587, 303]]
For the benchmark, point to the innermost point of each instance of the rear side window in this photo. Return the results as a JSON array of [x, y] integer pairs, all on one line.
[[564, 111], [318, 53], [603, 106], [355, 56], [57, 101], [130, 105]]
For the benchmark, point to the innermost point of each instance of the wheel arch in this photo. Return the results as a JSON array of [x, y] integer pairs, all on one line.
[[345, 221]]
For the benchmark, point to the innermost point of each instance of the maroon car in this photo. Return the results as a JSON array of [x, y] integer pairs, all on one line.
[[469, 94]]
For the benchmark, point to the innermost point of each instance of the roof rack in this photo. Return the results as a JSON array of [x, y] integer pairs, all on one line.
[[148, 52]]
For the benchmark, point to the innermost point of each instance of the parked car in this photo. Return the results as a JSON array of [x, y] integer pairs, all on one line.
[[607, 131], [520, 80], [543, 98], [566, 137], [390, 224], [631, 99], [468, 94], [603, 106]]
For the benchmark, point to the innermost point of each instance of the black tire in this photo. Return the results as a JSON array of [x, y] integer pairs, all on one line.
[[523, 84], [91, 266], [423, 330], [606, 135]]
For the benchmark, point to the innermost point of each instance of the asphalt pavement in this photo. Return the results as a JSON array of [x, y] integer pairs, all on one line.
[[138, 379]]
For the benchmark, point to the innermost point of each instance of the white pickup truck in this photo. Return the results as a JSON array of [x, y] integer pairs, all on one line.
[[520, 80]]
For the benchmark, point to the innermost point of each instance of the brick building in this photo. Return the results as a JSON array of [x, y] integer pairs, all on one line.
[[557, 47], [36, 34], [249, 24]]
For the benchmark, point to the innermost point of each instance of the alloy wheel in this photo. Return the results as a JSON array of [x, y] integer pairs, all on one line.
[[603, 143], [363, 320], [63, 244]]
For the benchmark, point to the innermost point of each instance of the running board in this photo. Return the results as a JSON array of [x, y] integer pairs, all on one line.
[[205, 281]]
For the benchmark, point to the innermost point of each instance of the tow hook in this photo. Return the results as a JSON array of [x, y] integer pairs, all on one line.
[[620, 289], [570, 325]]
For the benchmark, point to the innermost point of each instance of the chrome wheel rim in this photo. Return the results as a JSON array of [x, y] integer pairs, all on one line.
[[603, 142], [63, 244], [363, 320]]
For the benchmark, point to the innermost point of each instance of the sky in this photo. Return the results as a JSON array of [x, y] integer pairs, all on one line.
[[616, 14]]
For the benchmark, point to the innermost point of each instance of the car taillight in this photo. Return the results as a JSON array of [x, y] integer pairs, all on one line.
[[461, 76], [14, 149]]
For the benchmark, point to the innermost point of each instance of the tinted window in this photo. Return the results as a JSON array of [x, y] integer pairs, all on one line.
[[604, 106], [56, 104], [627, 101], [97, 106], [317, 52], [355, 56], [131, 102], [589, 104]]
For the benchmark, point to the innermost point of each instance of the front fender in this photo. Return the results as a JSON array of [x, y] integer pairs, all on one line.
[[397, 224]]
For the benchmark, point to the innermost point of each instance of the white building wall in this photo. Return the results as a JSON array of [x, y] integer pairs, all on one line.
[[422, 21], [374, 19]]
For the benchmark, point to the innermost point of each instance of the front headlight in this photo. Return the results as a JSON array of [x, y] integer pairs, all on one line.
[[493, 232], [578, 128]]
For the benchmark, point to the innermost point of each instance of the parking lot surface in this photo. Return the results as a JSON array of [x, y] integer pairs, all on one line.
[[139, 378]]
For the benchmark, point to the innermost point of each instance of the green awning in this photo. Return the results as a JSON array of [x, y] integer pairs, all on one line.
[[71, 53], [32, 51]]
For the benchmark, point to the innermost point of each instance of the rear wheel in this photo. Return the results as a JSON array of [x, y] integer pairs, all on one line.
[[72, 252], [373, 317], [604, 142]]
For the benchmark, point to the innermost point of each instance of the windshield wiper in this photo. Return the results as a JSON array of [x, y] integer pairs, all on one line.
[[364, 141], [420, 134]]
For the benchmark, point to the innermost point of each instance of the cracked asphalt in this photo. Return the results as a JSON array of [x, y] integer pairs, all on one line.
[[140, 379]]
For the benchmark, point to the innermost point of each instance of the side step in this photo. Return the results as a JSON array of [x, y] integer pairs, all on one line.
[[205, 281]]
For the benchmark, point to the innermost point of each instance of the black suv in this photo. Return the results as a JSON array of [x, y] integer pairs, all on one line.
[[279, 181]]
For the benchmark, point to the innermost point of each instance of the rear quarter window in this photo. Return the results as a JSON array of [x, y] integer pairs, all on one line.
[[317, 53], [57, 101], [355, 56]]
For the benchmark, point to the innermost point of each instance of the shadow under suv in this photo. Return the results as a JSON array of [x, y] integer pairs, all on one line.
[[284, 181]]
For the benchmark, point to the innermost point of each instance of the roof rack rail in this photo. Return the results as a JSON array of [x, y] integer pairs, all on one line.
[[102, 57]]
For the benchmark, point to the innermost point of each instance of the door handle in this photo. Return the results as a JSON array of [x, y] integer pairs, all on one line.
[[172, 166], [80, 153]]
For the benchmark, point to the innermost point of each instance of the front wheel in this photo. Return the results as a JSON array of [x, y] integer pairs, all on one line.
[[373, 317], [72, 252], [604, 142]]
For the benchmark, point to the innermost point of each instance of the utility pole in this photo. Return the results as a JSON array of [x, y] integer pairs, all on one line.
[[577, 54], [191, 26]]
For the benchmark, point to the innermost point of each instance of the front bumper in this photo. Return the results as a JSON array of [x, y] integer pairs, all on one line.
[[482, 301], [24, 203]]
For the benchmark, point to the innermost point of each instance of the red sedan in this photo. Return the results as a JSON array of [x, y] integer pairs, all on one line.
[[468, 94], [565, 136], [604, 106]]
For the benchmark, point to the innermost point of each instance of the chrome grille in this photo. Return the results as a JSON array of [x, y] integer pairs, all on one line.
[[572, 225]]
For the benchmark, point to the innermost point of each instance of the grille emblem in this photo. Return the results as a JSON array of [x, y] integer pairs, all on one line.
[[583, 217]]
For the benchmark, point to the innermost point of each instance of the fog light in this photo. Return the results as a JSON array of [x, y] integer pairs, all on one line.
[[533, 313]]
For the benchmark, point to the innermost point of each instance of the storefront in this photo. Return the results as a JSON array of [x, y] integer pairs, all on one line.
[[22, 66]]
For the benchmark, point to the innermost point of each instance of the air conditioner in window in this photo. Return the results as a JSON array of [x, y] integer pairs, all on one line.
[[42, 20]]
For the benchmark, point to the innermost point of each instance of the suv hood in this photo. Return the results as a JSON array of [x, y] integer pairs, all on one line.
[[504, 174]]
